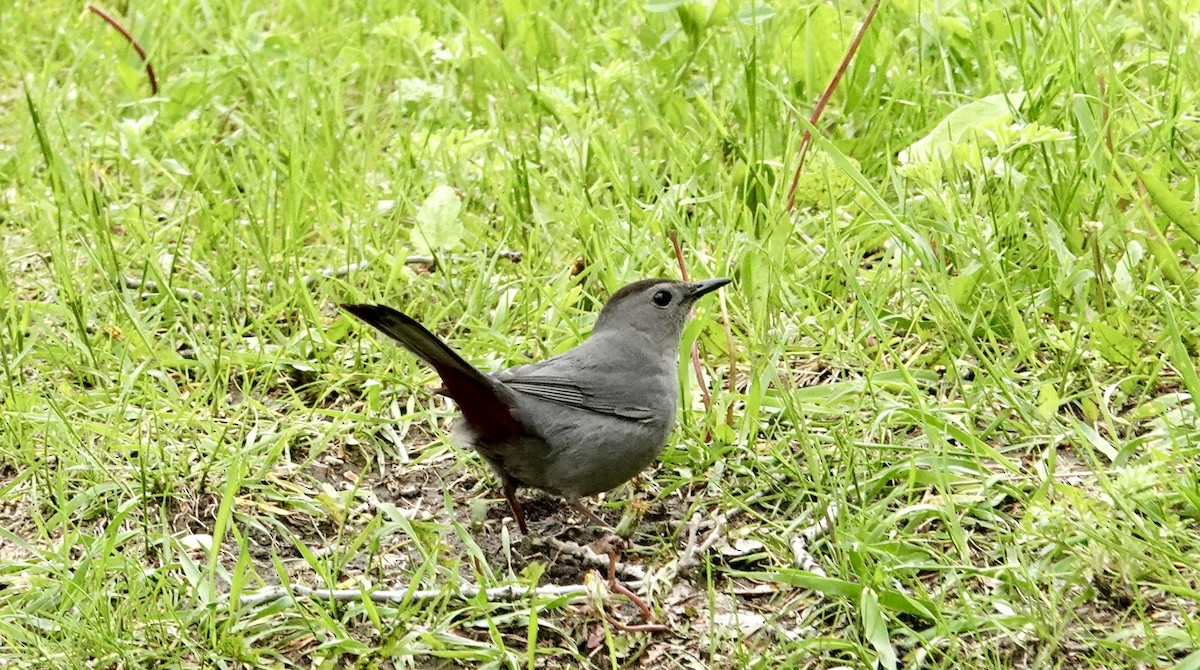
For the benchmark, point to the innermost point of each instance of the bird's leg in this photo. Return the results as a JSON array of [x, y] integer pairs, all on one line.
[[510, 494], [612, 544]]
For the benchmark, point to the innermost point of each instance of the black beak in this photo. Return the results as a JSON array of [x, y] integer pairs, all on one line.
[[707, 286]]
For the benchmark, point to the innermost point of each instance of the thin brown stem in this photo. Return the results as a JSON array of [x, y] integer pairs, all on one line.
[[816, 115], [128, 38]]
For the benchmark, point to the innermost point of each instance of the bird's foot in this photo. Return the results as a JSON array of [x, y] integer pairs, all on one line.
[[612, 545]]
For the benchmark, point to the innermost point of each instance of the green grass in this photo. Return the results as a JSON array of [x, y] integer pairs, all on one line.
[[981, 349]]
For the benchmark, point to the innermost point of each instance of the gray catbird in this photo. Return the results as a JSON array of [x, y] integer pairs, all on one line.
[[582, 422]]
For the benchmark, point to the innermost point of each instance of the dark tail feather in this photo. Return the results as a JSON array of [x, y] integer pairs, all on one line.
[[475, 392], [414, 337]]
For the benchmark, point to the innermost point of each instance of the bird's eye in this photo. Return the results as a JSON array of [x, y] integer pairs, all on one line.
[[662, 298]]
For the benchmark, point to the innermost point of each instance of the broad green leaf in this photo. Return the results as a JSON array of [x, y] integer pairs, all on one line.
[[961, 125], [757, 13], [1178, 352], [1124, 280], [1048, 401], [875, 628], [1096, 441], [400, 27], [1160, 248], [698, 16], [962, 286], [1091, 130], [1114, 344], [438, 226], [823, 184], [1158, 406], [826, 585], [1190, 662], [1172, 205]]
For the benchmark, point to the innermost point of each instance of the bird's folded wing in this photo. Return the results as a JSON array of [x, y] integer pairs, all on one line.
[[578, 395]]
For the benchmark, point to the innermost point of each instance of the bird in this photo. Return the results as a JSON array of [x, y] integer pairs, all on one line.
[[579, 423]]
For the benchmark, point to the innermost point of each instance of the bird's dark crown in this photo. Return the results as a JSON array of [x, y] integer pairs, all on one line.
[[635, 287]]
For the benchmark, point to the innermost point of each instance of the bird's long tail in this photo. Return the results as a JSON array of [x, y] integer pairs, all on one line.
[[479, 397]]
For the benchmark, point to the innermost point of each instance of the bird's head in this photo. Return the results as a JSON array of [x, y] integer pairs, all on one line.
[[655, 308]]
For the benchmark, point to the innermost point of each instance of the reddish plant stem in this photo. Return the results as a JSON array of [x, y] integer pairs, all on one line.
[[806, 141], [128, 38], [695, 347], [683, 273]]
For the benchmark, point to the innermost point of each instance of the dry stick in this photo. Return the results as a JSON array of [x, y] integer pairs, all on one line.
[[692, 553], [591, 557], [129, 38], [416, 259], [327, 273], [799, 544], [816, 115], [695, 549], [575, 593], [151, 285], [347, 269], [695, 345]]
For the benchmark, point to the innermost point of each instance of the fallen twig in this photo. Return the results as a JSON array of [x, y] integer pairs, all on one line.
[[573, 592], [151, 285], [129, 38], [590, 557], [347, 269], [695, 548], [799, 544], [432, 261]]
